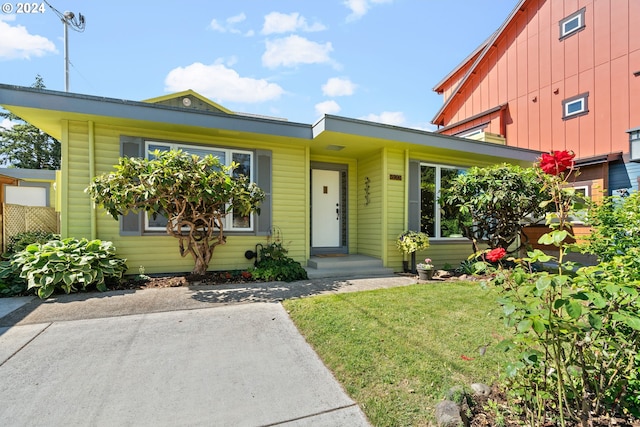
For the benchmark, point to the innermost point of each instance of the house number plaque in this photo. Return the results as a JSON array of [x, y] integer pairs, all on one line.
[[395, 177]]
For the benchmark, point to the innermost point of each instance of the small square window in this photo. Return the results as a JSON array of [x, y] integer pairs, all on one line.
[[572, 24], [575, 106]]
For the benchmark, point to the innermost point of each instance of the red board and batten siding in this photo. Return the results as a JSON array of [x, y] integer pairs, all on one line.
[[533, 71]]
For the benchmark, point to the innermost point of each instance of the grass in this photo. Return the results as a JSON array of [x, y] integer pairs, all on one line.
[[397, 351]]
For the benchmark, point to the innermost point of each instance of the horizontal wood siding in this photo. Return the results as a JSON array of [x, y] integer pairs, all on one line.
[[78, 215], [395, 206], [369, 213], [290, 186], [446, 254], [159, 253]]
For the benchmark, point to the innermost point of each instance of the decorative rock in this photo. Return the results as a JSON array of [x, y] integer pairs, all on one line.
[[481, 389], [444, 274], [448, 414]]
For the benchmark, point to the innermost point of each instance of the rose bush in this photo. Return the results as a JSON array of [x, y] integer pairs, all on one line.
[[576, 332], [557, 162]]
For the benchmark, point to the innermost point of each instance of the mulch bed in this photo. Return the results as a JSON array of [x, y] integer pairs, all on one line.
[[482, 416], [178, 280]]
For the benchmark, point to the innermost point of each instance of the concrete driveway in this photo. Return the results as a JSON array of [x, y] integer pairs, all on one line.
[[169, 357]]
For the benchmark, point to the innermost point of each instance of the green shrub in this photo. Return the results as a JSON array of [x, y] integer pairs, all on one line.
[[11, 284], [68, 264], [20, 241], [274, 264], [576, 332]]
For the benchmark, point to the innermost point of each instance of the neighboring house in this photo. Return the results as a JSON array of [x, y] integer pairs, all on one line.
[[339, 186], [558, 74], [28, 187], [28, 202]]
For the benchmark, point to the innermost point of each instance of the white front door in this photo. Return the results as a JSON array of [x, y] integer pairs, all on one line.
[[325, 208]]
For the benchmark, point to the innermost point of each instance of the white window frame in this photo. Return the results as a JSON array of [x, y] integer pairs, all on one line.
[[581, 99], [577, 17], [229, 152], [438, 207]]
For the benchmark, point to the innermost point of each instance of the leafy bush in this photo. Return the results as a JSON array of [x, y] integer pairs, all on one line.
[[67, 264], [577, 334], [20, 241], [11, 284], [496, 201], [274, 264], [615, 225]]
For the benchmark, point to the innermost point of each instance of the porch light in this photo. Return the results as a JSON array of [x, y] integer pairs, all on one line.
[[634, 144]]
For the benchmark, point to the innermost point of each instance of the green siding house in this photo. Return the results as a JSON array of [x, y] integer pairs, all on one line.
[[338, 186]]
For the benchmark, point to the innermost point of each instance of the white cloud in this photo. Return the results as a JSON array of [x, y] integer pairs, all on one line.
[[221, 84], [17, 43], [277, 23], [395, 118], [229, 25], [7, 124], [337, 86], [327, 107], [359, 8], [237, 18], [215, 26], [293, 50]]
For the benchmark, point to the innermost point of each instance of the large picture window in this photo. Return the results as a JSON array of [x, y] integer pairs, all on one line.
[[436, 220], [244, 160]]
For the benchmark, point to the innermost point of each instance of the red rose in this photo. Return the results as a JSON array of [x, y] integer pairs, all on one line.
[[495, 255], [556, 162]]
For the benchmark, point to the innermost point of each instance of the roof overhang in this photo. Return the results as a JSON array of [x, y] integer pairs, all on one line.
[[29, 174], [377, 135], [45, 109], [331, 135], [598, 160]]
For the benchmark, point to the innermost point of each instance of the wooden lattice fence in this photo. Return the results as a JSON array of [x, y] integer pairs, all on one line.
[[17, 219]]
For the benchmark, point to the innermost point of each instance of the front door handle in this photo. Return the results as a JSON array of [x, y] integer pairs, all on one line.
[[337, 212]]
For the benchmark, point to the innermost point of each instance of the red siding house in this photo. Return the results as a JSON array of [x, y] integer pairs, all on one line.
[[557, 74]]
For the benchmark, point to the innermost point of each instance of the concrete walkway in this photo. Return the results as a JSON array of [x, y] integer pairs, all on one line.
[[220, 355]]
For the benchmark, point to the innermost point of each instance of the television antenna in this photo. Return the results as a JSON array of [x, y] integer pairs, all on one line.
[[78, 23]]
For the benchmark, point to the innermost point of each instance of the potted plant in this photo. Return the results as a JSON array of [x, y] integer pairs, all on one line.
[[425, 269], [409, 243]]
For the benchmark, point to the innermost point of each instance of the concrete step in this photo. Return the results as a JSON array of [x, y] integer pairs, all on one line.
[[345, 266]]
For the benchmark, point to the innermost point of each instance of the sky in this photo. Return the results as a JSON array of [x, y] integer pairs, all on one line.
[[375, 60]]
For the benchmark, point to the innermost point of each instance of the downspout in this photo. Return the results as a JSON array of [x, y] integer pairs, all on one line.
[[64, 180], [406, 190], [92, 173], [385, 212], [503, 122], [307, 203]]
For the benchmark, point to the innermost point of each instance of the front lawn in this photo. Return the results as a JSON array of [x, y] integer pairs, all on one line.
[[397, 351]]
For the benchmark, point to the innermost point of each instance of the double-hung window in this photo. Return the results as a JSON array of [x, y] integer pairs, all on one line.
[[244, 159], [436, 220]]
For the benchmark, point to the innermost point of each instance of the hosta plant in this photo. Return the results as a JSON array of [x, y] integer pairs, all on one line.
[[68, 264]]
